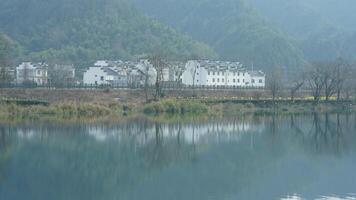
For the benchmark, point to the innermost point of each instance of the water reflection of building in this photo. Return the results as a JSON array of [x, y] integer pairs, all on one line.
[[188, 133]]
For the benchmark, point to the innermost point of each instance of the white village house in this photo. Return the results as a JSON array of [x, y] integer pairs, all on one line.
[[30, 73], [120, 73], [218, 73], [201, 73], [97, 76]]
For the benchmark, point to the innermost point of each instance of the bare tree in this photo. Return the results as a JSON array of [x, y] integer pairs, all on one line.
[[61, 75], [5, 51], [297, 85], [145, 72], [275, 82], [333, 77], [330, 79], [350, 83], [27, 75], [158, 64], [342, 73], [193, 72], [316, 80]]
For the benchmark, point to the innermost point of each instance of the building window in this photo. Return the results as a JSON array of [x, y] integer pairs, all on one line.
[[208, 72], [222, 80], [234, 74], [238, 74], [253, 80], [213, 73], [101, 78], [223, 73], [96, 82], [233, 80], [243, 80], [218, 73], [243, 74], [213, 80], [260, 81], [197, 73], [218, 80], [38, 72], [238, 80]]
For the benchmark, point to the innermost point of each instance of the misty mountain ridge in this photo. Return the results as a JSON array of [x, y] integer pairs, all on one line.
[[323, 29], [270, 33], [231, 27], [85, 30], [266, 34]]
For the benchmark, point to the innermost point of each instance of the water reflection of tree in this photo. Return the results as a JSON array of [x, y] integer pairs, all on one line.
[[6, 145], [167, 150], [325, 134]]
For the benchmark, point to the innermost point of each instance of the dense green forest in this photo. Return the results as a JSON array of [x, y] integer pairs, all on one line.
[[9, 50], [266, 34], [231, 27], [86, 30], [323, 29], [269, 33]]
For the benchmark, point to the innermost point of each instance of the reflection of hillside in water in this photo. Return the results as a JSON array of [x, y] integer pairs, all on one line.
[[251, 157], [317, 132]]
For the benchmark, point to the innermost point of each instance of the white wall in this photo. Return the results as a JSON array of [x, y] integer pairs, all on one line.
[[200, 77], [216, 77], [259, 81], [142, 66], [96, 76], [38, 75]]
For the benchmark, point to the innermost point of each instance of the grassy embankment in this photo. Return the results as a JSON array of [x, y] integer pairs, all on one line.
[[34, 109]]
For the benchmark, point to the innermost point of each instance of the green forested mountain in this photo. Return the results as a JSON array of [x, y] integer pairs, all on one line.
[[322, 28], [231, 27], [9, 50], [269, 33], [341, 13], [85, 30]]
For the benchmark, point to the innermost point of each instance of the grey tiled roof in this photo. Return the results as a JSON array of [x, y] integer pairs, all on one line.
[[256, 73], [110, 71]]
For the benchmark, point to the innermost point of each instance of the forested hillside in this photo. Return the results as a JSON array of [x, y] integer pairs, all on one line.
[[323, 29], [85, 30], [231, 27], [9, 51], [266, 34], [270, 33]]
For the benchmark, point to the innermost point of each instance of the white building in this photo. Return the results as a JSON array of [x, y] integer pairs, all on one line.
[[218, 73], [146, 70], [258, 79], [104, 76], [101, 63], [29, 73]]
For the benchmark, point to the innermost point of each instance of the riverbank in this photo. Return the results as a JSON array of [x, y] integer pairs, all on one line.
[[207, 107]]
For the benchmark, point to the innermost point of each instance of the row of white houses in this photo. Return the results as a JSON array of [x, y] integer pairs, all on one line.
[[194, 73], [218, 73], [39, 73], [200, 73]]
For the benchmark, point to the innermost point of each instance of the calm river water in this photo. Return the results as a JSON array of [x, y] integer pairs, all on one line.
[[250, 157]]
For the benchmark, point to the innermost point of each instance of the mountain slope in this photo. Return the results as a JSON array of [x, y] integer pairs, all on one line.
[[323, 28], [9, 50], [85, 30], [231, 27], [340, 13]]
